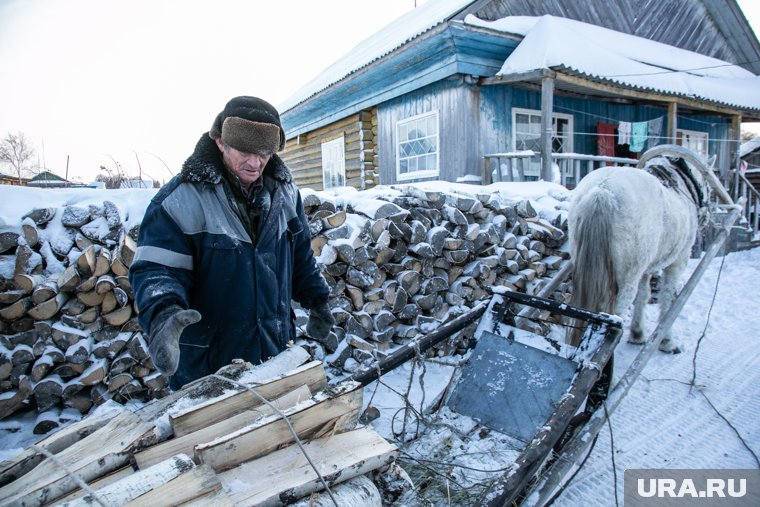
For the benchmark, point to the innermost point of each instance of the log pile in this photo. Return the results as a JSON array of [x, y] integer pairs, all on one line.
[[70, 338], [215, 442], [399, 263]]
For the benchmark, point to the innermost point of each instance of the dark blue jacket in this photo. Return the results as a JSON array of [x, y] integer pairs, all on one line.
[[193, 251]]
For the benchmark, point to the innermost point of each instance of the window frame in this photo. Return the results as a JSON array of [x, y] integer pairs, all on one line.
[[568, 142], [341, 169], [428, 173], [702, 137]]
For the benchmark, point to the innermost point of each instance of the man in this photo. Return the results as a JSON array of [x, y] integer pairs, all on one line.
[[222, 250]]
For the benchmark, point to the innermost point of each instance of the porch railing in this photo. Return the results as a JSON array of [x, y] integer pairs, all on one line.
[[751, 212], [516, 166]]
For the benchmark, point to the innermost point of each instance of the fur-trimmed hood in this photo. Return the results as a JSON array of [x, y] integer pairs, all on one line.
[[205, 165]]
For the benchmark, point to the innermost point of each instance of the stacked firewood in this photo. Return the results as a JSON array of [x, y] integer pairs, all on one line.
[[264, 435], [70, 338], [402, 265], [398, 264]]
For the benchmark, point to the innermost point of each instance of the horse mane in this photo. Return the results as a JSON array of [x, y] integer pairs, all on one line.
[[678, 169]]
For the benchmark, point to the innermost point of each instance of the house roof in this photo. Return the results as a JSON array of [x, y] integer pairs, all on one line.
[[749, 147], [394, 35], [601, 54]]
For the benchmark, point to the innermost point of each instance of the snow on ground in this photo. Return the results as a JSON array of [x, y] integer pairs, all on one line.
[[665, 421]]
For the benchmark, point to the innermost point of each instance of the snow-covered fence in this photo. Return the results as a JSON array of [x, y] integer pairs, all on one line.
[[399, 260]]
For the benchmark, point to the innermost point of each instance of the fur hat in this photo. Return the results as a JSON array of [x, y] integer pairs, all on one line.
[[249, 124]]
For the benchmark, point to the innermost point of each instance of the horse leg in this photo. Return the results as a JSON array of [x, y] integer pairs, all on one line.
[[639, 305], [671, 277]]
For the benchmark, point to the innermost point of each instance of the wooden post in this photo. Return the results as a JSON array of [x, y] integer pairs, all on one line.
[[547, 105], [672, 121], [736, 127]]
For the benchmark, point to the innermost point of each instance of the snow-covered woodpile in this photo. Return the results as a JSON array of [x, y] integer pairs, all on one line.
[[399, 262], [268, 436], [400, 265]]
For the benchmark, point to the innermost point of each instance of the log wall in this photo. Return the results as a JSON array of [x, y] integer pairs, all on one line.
[[303, 154]]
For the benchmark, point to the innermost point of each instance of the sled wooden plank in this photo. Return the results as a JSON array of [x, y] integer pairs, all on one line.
[[324, 413], [285, 475], [186, 443], [217, 409], [197, 482], [12, 469], [103, 451], [138, 483]]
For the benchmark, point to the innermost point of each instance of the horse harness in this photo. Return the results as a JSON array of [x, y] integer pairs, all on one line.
[[668, 179]]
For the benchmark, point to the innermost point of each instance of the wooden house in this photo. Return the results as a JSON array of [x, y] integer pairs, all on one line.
[[750, 156], [491, 90]]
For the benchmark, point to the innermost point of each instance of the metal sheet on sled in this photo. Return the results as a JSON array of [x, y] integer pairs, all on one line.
[[511, 387]]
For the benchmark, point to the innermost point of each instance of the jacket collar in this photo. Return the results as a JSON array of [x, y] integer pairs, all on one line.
[[205, 165]]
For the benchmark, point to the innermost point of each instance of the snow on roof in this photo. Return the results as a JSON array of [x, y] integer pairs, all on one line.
[[600, 53], [750, 146], [393, 36]]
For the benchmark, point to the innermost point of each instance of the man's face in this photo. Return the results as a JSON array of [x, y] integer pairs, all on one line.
[[246, 166]]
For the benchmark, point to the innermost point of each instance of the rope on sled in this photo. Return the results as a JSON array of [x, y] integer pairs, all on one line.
[[80, 482]]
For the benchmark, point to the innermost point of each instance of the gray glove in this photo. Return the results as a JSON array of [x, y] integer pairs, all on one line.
[[320, 322], [166, 329]]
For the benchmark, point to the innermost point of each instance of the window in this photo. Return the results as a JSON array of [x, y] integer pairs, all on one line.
[[693, 140], [417, 147], [334, 163], [526, 135]]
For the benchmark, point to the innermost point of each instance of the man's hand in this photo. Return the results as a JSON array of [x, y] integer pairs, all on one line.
[[320, 322], [166, 329]]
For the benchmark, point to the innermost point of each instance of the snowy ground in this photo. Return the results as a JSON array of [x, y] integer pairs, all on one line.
[[667, 420]]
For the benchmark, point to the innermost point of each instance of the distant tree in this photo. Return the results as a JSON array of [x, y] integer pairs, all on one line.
[[109, 178], [16, 151], [747, 135]]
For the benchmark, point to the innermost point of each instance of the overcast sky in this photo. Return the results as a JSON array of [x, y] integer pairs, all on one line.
[[105, 80]]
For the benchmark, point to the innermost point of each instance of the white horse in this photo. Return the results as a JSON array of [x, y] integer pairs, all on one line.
[[626, 224]]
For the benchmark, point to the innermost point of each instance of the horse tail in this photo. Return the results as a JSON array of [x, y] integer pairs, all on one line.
[[594, 282]]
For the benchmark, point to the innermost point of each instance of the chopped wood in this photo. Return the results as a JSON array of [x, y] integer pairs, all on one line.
[[104, 284], [128, 249], [86, 261], [8, 240], [27, 283], [11, 296], [324, 413], [199, 483], [47, 421], [285, 475], [49, 357], [88, 284], [102, 452], [30, 233], [16, 310], [69, 279], [45, 291], [186, 443], [25, 461], [14, 399], [139, 483], [118, 317], [311, 374], [49, 308], [102, 262], [91, 298]]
